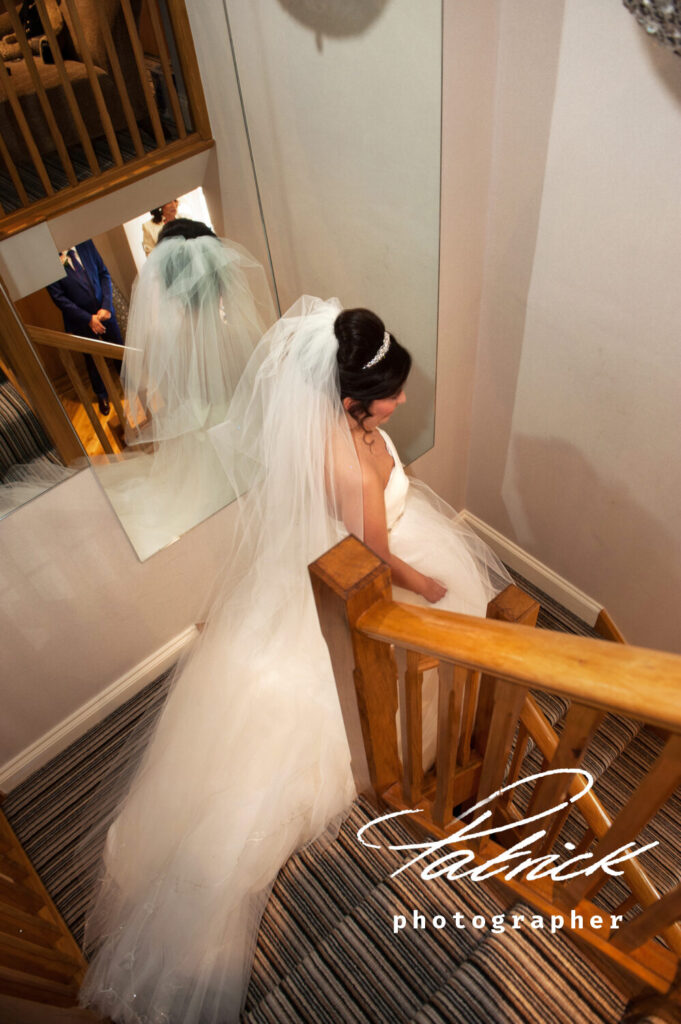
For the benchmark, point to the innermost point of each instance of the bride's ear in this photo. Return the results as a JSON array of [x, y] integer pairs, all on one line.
[[347, 402]]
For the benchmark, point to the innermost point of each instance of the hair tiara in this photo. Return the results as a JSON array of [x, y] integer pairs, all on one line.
[[381, 352]]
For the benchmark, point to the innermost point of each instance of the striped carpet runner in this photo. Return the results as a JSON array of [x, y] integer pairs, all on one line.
[[341, 940]]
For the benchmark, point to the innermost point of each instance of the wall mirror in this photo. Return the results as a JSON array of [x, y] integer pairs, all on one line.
[[342, 121], [342, 104], [34, 457]]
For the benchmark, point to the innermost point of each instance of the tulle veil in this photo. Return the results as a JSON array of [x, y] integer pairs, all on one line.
[[198, 309], [249, 760]]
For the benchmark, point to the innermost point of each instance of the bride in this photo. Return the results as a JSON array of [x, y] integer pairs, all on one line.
[[198, 308], [249, 760]]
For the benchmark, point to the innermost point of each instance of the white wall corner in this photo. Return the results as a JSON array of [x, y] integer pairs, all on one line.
[[93, 711], [560, 589], [29, 261]]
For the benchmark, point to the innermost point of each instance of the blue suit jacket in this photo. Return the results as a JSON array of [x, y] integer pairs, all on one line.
[[78, 299]]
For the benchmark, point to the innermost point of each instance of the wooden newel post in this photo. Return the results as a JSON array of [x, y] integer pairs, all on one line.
[[346, 581], [511, 605]]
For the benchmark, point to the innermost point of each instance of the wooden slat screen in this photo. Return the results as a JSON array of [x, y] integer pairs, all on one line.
[[101, 112]]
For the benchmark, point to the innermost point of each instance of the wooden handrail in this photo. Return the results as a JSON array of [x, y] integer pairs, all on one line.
[[487, 670], [634, 681], [74, 342]]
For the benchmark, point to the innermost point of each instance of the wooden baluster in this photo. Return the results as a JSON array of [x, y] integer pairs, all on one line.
[[506, 801], [483, 717], [138, 52], [65, 83], [650, 922], [177, 13], [656, 788], [597, 818], [580, 725], [451, 690], [410, 685], [159, 34], [585, 842], [346, 581], [104, 117], [13, 173], [470, 708], [511, 605], [508, 703], [626, 905], [8, 86], [78, 386], [39, 89], [119, 79]]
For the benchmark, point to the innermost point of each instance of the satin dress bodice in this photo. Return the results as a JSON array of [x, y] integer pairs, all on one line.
[[397, 488]]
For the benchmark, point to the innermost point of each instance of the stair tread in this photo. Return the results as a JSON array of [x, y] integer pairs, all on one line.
[[361, 946], [26, 985], [524, 976]]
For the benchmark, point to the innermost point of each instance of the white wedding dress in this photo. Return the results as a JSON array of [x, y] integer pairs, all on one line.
[[249, 761]]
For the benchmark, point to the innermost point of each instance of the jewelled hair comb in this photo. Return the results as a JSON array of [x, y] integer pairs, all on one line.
[[380, 354]]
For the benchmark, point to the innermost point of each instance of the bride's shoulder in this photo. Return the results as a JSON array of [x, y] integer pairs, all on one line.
[[390, 444]]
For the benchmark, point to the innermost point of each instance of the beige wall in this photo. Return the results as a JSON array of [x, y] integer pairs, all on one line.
[[343, 113], [79, 610], [574, 449], [470, 29]]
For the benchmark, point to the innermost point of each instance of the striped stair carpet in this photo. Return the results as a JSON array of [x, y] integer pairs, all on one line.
[[331, 945]]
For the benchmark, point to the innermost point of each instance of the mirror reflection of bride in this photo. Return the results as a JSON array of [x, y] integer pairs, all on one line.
[[198, 308], [249, 760]]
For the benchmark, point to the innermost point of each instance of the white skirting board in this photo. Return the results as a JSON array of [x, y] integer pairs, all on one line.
[[93, 711], [536, 572], [73, 727]]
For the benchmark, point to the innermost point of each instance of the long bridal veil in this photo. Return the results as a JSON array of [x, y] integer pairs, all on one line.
[[198, 308], [249, 760]]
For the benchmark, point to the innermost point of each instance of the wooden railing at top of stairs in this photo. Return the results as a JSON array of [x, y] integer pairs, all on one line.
[[40, 960], [486, 715], [128, 80], [67, 345]]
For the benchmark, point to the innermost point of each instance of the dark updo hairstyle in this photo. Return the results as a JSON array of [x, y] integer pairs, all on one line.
[[183, 227], [360, 335], [156, 214], [179, 262]]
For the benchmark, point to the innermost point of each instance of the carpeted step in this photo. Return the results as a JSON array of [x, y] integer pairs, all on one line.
[[353, 966], [60, 813], [524, 976]]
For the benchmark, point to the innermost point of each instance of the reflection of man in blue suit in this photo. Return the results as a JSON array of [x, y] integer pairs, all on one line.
[[84, 297]]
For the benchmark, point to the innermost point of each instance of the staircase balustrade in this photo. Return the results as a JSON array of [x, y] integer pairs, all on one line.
[[69, 344], [109, 93], [39, 958], [489, 728]]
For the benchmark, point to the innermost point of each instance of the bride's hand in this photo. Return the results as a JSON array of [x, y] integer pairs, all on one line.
[[432, 590]]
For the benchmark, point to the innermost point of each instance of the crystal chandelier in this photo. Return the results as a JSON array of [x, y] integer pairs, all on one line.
[[660, 18]]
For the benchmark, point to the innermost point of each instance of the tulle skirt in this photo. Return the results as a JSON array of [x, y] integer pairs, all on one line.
[[433, 538], [248, 763]]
